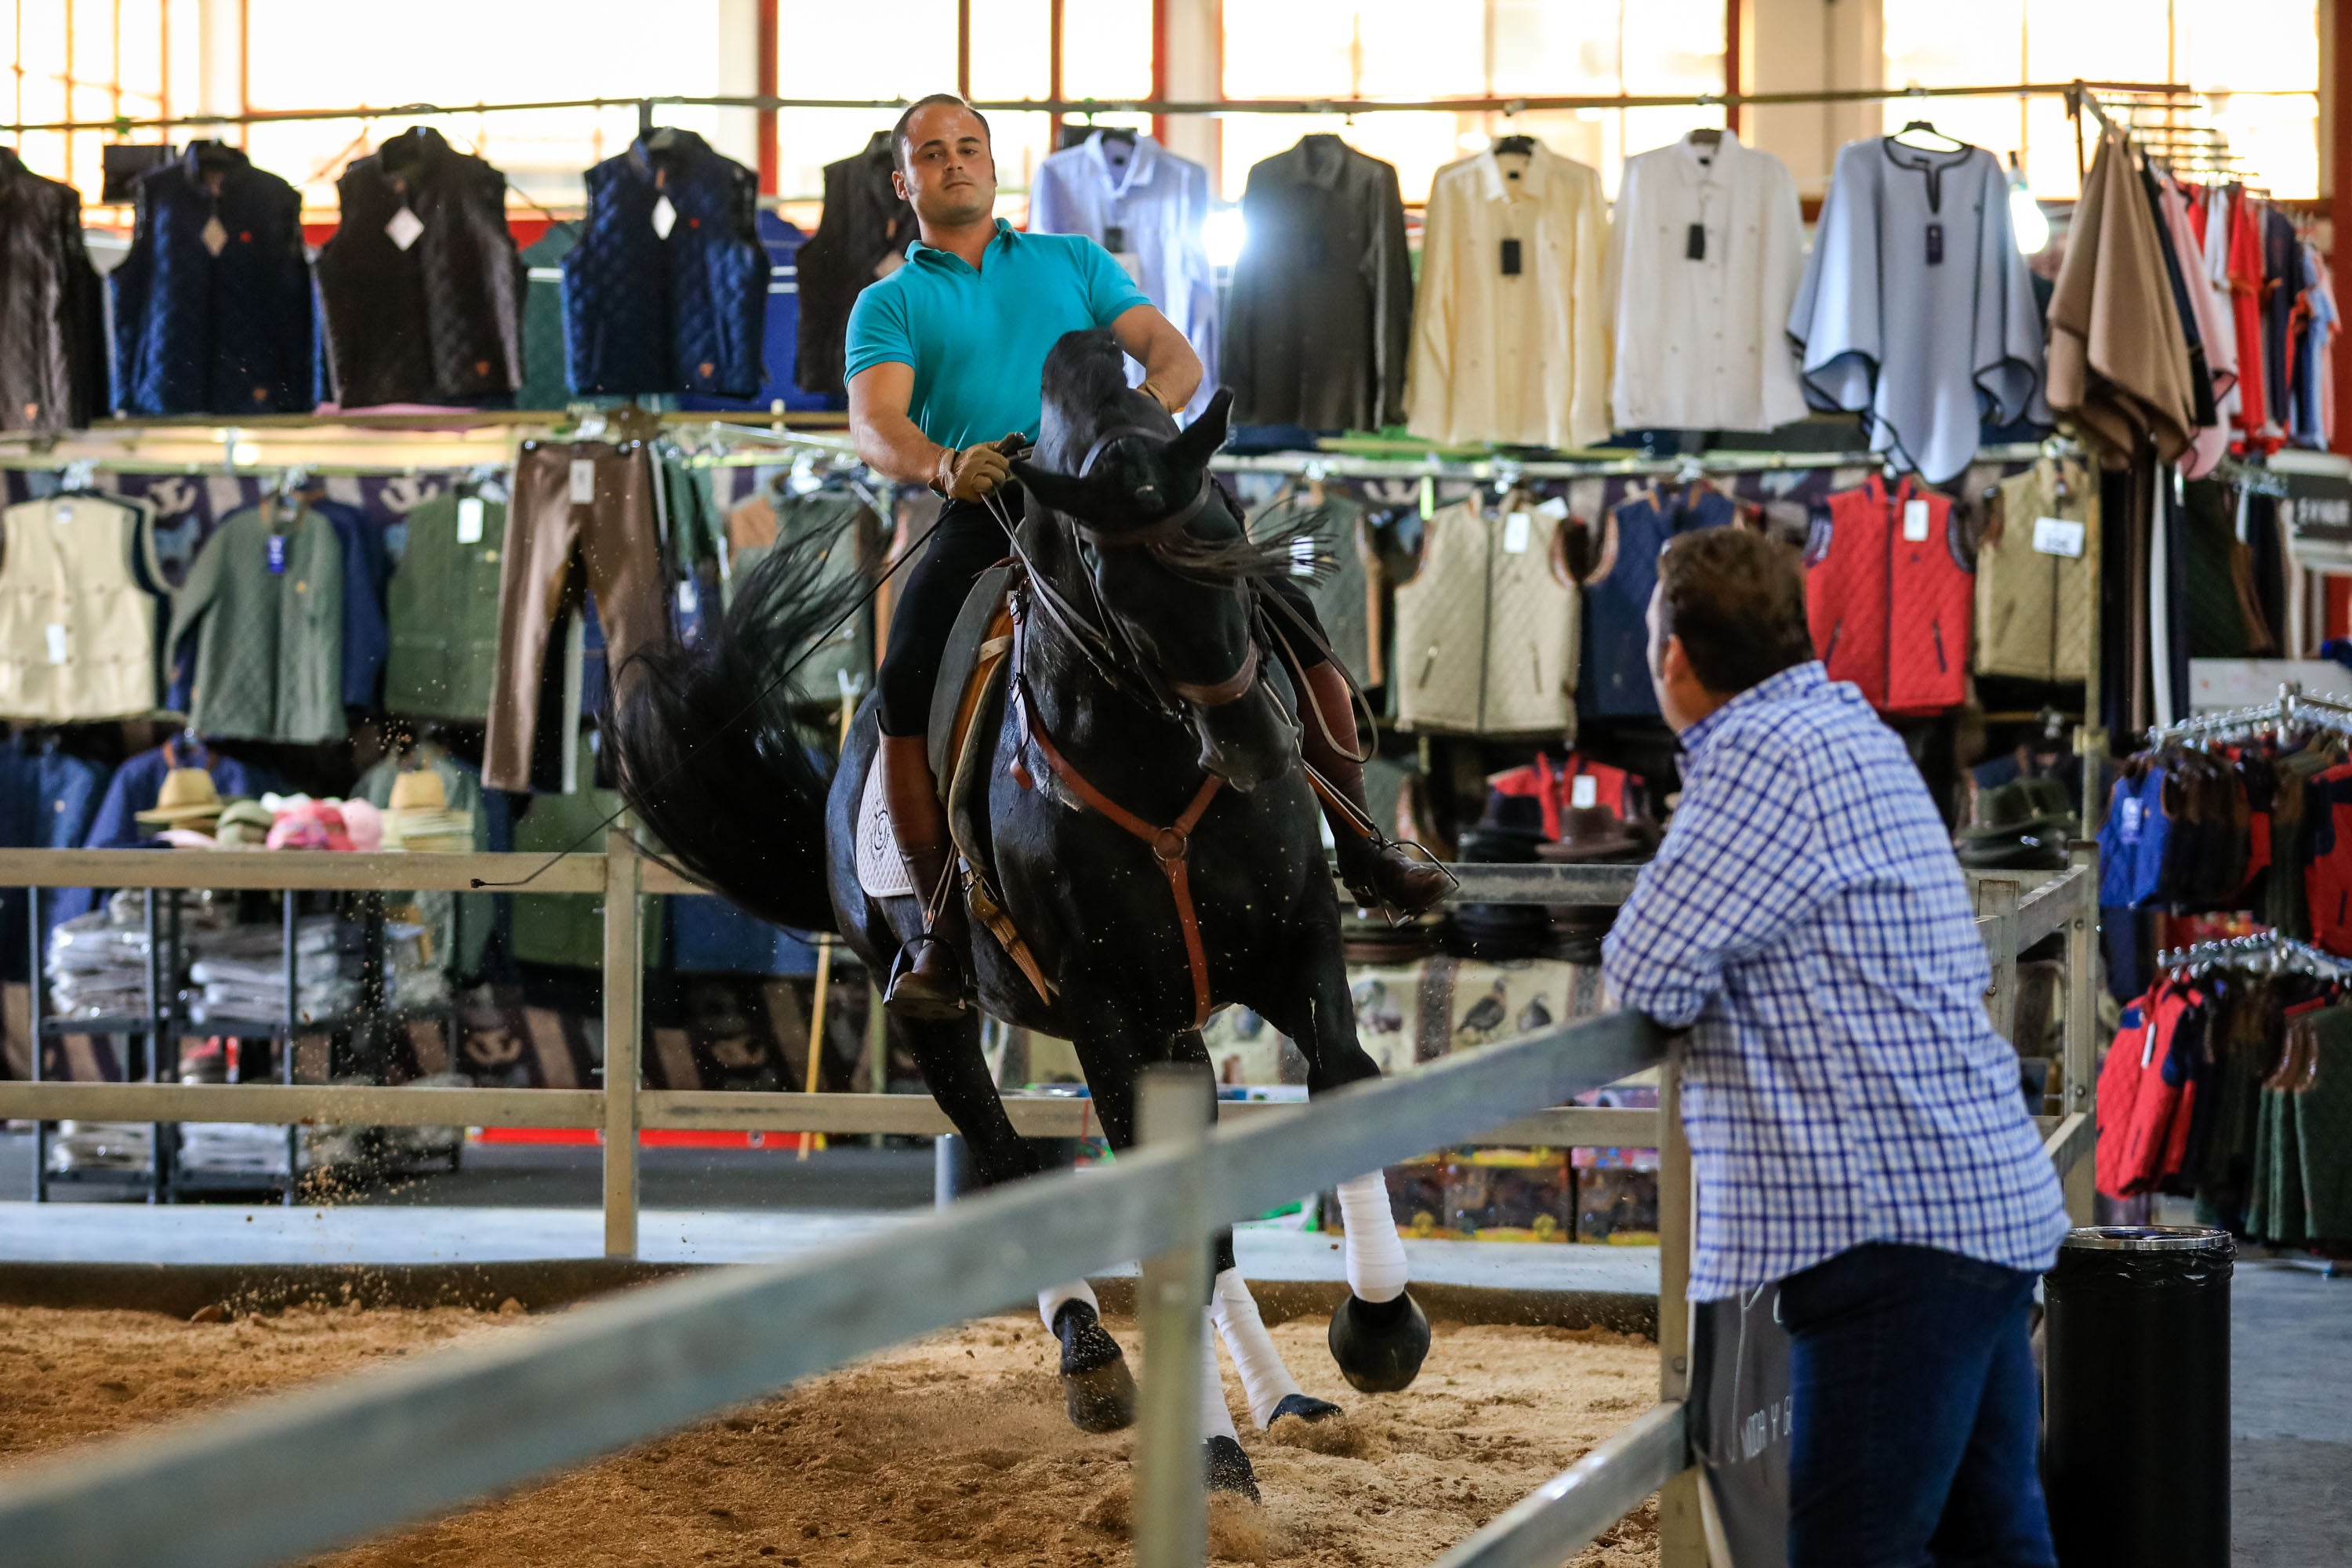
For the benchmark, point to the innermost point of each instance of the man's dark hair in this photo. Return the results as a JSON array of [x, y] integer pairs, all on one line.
[[1738, 601], [900, 151]]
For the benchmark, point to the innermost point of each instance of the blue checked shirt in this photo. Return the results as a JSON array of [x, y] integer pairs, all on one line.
[[1843, 1083]]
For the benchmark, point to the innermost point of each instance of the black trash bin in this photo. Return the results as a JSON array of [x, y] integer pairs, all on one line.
[[2135, 1447]]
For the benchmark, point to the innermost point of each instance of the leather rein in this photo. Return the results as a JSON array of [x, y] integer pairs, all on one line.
[[1171, 845]]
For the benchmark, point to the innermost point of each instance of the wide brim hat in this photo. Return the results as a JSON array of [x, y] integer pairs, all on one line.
[[419, 789], [1595, 833], [188, 794], [2039, 808]]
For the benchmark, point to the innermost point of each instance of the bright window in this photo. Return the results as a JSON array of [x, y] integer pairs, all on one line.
[[306, 53], [1470, 48], [2256, 64], [81, 59]]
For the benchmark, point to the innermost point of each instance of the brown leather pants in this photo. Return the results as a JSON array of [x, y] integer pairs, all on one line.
[[583, 516]]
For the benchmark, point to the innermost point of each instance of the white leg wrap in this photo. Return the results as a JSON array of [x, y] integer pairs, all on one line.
[[1265, 1381], [1216, 1420], [1376, 1270], [1052, 1298]]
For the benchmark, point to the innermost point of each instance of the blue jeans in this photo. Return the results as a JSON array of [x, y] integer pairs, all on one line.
[[1917, 1411]]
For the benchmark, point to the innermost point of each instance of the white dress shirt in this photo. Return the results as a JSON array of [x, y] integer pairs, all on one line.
[[1151, 202], [1701, 340], [1520, 358]]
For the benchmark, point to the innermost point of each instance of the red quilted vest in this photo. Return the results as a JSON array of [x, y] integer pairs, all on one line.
[[1891, 612]]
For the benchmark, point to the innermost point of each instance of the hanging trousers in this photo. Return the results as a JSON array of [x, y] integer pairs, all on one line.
[[582, 517]]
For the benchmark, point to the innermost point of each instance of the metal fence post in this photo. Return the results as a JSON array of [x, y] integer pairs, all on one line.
[[623, 987], [1996, 898], [1171, 1506], [1682, 1538], [2079, 1043]]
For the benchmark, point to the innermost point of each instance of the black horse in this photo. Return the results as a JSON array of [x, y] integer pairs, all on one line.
[[1141, 687]]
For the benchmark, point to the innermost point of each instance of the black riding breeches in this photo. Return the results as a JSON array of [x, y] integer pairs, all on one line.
[[966, 541]]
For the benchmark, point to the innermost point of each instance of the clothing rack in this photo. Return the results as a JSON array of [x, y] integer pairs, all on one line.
[[2291, 711], [1086, 108], [2265, 953], [1505, 470]]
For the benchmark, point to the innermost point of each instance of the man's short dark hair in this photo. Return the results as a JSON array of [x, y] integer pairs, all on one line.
[[900, 152], [1738, 601]]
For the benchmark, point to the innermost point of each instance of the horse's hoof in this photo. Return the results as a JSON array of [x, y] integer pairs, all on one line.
[[1306, 1407], [1229, 1468], [1097, 1388], [1379, 1346]]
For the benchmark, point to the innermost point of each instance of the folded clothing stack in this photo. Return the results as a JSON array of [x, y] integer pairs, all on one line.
[[240, 973], [102, 1146], [233, 1148], [95, 969]]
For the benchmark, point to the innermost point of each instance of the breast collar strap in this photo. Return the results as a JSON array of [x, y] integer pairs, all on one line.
[[1171, 846]]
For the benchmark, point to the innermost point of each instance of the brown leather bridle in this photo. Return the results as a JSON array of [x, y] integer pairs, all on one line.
[[1108, 650]]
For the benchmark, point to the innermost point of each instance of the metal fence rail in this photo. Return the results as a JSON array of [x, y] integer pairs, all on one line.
[[305, 1470], [300, 1472]]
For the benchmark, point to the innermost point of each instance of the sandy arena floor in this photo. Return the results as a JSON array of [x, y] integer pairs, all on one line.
[[950, 1451]]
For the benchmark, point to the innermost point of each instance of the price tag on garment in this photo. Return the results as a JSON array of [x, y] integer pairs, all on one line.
[[665, 218], [1915, 520], [1516, 527], [1555, 509], [277, 548], [689, 598], [2127, 814], [404, 226], [1583, 792], [1302, 557], [583, 481], [62, 514], [56, 636], [2056, 536], [214, 236], [469, 519], [1114, 241]]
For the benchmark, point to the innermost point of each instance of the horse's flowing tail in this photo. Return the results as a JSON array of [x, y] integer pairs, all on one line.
[[708, 755]]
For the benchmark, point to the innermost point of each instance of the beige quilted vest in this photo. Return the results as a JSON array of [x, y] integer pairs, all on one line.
[[1486, 633], [77, 635], [2032, 608]]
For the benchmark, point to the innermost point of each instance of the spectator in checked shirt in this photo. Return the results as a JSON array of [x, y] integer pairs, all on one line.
[[1857, 1126]]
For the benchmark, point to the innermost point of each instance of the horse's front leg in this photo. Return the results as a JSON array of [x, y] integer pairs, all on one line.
[[1380, 1335]]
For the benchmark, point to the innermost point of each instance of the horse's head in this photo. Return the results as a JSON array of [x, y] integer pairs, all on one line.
[[1170, 560]]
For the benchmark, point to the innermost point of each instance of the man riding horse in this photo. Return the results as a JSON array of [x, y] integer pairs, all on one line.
[[944, 361]]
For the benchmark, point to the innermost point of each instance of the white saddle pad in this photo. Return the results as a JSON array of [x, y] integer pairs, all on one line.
[[881, 869]]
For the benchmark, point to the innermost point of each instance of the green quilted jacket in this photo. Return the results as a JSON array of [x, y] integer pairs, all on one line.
[[268, 643]]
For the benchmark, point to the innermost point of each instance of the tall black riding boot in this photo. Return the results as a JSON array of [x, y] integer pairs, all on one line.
[[927, 980], [1377, 871]]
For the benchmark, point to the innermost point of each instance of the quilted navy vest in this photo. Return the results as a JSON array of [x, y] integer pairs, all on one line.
[[1615, 678], [212, 306], [647, 314]]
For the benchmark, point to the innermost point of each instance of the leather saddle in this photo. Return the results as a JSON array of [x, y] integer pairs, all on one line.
[[974, 672]]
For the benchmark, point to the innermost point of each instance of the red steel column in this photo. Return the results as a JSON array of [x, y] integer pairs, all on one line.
[[770, 43]]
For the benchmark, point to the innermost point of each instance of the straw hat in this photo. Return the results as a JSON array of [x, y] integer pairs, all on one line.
[[244, 825], [419, 789], [188, 795]]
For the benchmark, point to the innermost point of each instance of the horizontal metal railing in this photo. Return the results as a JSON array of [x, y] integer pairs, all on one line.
[[300, 1472], [303, 1471]]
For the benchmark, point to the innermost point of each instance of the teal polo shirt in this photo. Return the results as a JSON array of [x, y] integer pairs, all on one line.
[[977, 340]]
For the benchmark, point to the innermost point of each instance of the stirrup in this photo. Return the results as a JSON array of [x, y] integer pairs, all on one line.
[[1381, 845], [904, 957]]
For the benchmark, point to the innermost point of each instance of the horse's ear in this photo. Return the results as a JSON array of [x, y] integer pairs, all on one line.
[[1088, 498], [1199, 441]]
